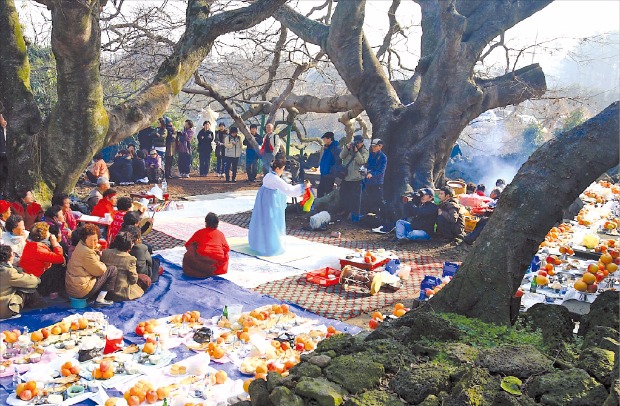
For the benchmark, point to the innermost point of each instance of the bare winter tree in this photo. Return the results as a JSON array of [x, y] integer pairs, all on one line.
[[51, 154], [422, 122]]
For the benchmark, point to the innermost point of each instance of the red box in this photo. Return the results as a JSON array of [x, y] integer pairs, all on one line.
[[321, 276], [359, 263]]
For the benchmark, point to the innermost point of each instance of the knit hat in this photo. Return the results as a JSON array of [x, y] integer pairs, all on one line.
[[4, 206]]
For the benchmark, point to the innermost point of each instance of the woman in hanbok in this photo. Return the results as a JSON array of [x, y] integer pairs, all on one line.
[[267, 225]]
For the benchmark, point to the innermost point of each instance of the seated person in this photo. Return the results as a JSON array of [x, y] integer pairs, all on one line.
[[123, 205], [139, 167], [421, 224], [26, 207], [105, 205], [145, 264], [15, 236], [470, 188], [87, 276], [500, 184], [489, 208], [207, 251], [153, 167], [450, 219], [17, 289], [133, 218], [480, 189], [42, 250], [121, 170], [96, 194], [98, 169], [64, 202], [5, 212], [129, 285], [54, 216]]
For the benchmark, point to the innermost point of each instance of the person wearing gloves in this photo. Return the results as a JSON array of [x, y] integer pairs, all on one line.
[[354, 155], [267, 225]]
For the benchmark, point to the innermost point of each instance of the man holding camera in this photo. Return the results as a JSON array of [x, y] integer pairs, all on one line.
[[423, 211], [232, 153], [328, 165], [353, 156]]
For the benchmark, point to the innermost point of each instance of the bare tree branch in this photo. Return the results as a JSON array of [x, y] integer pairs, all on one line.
[[394, 28], [275, 63]]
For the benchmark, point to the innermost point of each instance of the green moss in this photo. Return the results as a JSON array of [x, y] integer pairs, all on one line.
[[23, 69], [486, 335]]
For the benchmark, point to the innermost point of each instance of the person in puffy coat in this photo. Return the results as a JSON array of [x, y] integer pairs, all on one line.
[[17, 289], [42, 250], [129, 285], [87, 276], [232, 153]]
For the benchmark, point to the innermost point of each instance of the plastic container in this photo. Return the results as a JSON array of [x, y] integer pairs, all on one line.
[[324, 276], [470, 223], [458, 187], [78, 303], [449, 269]]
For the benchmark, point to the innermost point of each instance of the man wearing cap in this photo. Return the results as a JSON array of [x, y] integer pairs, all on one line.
[[106, 204], [421, 224], [153, 167], [353, 156], [373, 184], [96, 194], [328, 164], [5, 212]]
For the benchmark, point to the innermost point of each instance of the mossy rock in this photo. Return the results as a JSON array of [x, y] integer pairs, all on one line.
[[458, 353], [597, 362], [603, 312], [506, 399], [389, 353], [374, 398], [282, 396], [521, 361], [475, 387], [305, 369], [321, 391], [274, 379], [614, 395], [388, 331], [572, 387], [416, 384], [259, 394], [554, 322], [602, 337], [431, 400], [320, 361], [355, 372], [426, 324], [340, 344]]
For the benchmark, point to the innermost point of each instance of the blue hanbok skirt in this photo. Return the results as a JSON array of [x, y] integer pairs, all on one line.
[[267, 225]]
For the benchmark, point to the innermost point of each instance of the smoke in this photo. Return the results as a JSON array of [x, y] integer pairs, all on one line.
[[484, 169]]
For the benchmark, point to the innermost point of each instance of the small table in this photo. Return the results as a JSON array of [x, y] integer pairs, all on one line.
[[151, 198]]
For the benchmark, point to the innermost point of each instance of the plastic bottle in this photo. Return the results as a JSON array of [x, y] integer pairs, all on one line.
[[225, 312], [164, 186], [533, 285]]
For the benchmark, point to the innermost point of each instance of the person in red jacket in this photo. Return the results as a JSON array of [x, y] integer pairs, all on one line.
[[123, 205], [41, 251], [105, 205], [26, 207], [207, 251]]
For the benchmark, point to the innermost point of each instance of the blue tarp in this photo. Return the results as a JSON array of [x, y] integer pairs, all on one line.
[[174, 293]]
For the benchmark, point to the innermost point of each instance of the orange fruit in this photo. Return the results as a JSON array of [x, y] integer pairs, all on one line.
[[31, 385], [260, 376], [83, 323], [149, 348], [261, 369], [218, 352], [220, 377], [284, 346], [309, 345], [289, 364], [20, 388], [149, 328], [151, 397], [611, 267], [284, 308], [64, 327], [399, 306], [589, 278], [399, 312], [107, 374], [331, 329], [377, 315], [133, 401], [67, 365], [580, 285], [244, 336], [74, 370], [246, 384], [65, 372], [606, 258], [162, 393], [36, 336]]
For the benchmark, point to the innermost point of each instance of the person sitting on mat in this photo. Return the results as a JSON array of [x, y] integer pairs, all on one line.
[[207, 251], [267, 225], [17, 288]]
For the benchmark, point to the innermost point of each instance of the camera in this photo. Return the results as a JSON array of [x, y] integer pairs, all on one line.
[[363, 171]]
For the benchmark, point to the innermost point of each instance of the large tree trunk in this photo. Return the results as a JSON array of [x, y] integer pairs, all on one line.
[[549, 181], [420, 135]]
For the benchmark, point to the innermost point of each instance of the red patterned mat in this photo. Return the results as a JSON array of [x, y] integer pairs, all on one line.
[[161, 241], [336, 302]]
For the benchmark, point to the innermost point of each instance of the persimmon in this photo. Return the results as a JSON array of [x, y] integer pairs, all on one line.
[[244, 336], [220, 377], [309, 345], [399, 306], [377, 315], [74, 370], [83, 323], [20, 388], [151, 397], [289, 364], [133, 401], [162, 393], [580, 285], [36, 336], [261, 369], [56, 330], [284, 308], [399, 312], [218, 352], [65, 372], [246, 384], [331, 329], [260, 376], [549, 267], [107, 374]]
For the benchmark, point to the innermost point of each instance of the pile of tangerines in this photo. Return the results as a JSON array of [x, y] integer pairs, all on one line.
[[378, 317], [607, 264]]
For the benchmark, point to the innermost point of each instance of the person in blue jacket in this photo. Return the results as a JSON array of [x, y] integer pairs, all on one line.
[[267, 225], [373, 183], [328, 164]]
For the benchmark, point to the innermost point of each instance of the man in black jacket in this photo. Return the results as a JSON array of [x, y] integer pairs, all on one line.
[[421, 224], [205, 138], [450, 220]]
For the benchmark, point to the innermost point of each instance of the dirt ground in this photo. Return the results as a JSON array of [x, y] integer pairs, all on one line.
[[180, 188]]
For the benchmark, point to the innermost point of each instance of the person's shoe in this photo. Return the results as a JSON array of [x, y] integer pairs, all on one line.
[[187, 175], [15, 316], [234, 180], [104, 302]]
